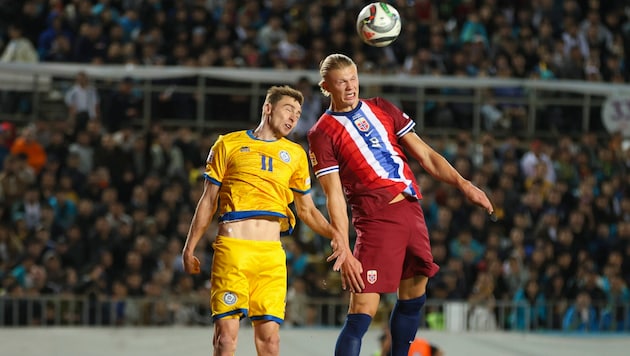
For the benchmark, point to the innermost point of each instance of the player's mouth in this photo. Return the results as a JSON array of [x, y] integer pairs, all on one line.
[[350, 96], [288, 126]]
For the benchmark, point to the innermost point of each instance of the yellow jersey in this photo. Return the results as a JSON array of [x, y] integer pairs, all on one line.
[[257, 177]]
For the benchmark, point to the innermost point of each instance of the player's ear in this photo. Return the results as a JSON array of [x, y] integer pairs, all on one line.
[[324, 85], [266, 108]]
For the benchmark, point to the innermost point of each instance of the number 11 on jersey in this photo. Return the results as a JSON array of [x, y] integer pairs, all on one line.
[[266, 163]]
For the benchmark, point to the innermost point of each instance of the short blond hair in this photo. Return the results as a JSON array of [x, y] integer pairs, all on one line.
[[275, 93], [332, 62]]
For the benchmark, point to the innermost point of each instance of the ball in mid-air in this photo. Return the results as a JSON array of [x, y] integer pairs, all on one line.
[[378, 24]]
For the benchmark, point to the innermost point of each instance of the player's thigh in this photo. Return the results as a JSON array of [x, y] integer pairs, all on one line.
[[229, 296], [268, 288], [418, 257], [381, 248]]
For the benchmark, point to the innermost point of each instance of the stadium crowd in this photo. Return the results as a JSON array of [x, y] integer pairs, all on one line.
[[91, 206]]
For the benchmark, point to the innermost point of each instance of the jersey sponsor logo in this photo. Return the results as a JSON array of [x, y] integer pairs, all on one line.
[[362, 124], [311, 155], [372, 276], [244, 149], [307, 182], [229, 298], [284, 155], [210, 156]]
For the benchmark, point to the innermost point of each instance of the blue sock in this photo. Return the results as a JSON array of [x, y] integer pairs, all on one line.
[[404, 323], [349, 340]]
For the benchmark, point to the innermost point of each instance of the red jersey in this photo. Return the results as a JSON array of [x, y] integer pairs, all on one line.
[[362, 145]]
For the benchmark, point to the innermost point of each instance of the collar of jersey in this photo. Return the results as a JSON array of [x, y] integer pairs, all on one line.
[[250, 133], [346, 113]]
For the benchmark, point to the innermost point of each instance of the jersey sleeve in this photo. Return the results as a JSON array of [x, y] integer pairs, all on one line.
[[301, 180], [216, 162], [402, 122], [321, 153]]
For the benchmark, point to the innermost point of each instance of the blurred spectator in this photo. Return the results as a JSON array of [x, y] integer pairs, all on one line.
[[83, 150], [27, 144], [122, 108], [15, 178], [83, 102], [535, 155], [54, 43], [311, 108], [481, 315], [90, 44], [581, 315], [615, 316], [167, 159], [29, 207], [271, 34], [530, 311], [19, 49]]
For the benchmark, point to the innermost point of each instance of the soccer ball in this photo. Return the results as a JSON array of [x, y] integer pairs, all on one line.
[[378, 24]]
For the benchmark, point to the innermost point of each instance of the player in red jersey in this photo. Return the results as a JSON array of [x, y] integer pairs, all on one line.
[[356, 147]]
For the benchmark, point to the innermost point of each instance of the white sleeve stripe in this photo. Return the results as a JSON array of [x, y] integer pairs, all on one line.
[[326, 170], [406, 129]]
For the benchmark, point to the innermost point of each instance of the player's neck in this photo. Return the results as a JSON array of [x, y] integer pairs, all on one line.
[[263, 134]]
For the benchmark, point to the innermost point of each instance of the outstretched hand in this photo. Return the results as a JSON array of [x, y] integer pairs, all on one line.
[[477, 196], [350, 268], [351, 271], [340, 251]]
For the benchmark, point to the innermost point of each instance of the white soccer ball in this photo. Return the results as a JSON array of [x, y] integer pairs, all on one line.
[[378, 24]]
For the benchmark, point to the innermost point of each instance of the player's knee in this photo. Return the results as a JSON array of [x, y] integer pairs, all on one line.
[[413, 287], [225, 343], [366, 303], [269, 344]]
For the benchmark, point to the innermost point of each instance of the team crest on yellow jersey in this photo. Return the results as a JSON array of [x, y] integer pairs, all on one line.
[[284, 155]]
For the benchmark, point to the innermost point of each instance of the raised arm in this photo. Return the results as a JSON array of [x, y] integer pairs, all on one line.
[[439, 168], [206, 207]]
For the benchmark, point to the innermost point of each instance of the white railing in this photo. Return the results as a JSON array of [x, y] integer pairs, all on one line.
[[81, 310], [40, 78]]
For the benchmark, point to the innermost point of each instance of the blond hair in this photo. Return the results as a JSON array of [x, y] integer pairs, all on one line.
[[332, 62], [275, 93]]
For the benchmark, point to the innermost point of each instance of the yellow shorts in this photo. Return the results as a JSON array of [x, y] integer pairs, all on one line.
[[249, 279]]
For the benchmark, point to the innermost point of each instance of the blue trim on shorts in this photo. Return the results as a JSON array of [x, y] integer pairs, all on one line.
[[243, 313], [242, 215], [267, 317]]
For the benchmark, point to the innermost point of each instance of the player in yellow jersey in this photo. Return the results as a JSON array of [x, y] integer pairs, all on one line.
[[251, 178]]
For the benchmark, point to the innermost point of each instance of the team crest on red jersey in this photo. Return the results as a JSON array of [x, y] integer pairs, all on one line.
[[372, 276], [362, 124]]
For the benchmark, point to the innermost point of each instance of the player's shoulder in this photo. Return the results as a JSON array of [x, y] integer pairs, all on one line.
[[231, 137], [377, 101], [290, 145]]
